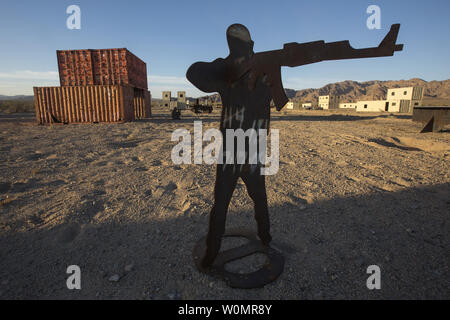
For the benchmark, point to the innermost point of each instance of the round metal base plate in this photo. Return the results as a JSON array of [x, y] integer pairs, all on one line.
[[268, 273]]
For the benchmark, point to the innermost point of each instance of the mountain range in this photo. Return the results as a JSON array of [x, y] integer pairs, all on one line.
[[352, 91], [436, 92], [19, 97]]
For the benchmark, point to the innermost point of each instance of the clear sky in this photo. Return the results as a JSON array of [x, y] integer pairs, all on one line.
[[170, 35]]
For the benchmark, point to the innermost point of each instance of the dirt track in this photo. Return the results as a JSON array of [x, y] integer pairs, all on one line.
[[353, 190]]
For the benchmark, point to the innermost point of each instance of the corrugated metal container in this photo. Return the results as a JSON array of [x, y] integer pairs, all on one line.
[[101, 67], [142, 104], [76, 104]]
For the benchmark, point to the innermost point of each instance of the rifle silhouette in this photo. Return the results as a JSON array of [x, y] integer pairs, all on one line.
[[297, 54]]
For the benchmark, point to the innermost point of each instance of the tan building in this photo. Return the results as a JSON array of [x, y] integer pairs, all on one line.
[[328, 102], [180, 103], [347, 105], [181, 96], [404, 99], [397, 100], [289, 105], [173, 104], [384, 105], [307, 105], [166, 97], [371, 105]]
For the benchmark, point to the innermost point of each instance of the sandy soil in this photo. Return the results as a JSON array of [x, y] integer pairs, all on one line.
[[353, 190]]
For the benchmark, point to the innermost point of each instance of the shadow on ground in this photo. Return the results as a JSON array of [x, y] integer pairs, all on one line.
[[328, 246], [18, 117], [334, 117], [189, 117]]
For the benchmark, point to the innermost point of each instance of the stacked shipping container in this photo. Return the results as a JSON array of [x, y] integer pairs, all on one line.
[[101, 67], [106, 85]]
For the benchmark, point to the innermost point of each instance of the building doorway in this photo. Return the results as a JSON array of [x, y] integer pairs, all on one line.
[[386, 107]]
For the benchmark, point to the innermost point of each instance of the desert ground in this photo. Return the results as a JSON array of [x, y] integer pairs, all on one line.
[[353, 190]]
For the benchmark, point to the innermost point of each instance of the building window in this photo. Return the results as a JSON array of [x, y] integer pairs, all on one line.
[[394, 103], [416, 103], [365, 106], [393, 94], [181, 96], [404, 93]]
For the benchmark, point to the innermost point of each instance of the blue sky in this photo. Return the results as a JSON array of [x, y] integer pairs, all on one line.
[[171, 35]]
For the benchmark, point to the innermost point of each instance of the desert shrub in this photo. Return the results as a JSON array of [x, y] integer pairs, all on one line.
[[17, 106]]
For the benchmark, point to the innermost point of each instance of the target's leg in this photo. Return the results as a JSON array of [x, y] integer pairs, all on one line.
[[223, 190], [256, 188]]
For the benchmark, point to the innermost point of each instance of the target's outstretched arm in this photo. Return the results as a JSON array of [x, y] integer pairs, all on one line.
[[297, 54]]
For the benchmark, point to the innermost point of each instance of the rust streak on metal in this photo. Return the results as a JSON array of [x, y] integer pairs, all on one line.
[[57, 99], [36, 104], [107, 104], [104, 103], [84, 103], [44, 107], [64, 108]]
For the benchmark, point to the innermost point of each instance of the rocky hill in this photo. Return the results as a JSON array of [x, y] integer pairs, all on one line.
[[351, 91]]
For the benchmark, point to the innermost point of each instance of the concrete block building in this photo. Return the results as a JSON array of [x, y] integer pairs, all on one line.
[[181, 100], [166, 97], [371, 105], [328, 102], [173, 104], [170, 103], [403, 99], [397, 100], [289, 105], [181, 96], [347, 105]]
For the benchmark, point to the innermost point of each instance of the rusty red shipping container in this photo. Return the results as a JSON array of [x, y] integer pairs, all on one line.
[[101, 67], [142, 100], [99, 103]]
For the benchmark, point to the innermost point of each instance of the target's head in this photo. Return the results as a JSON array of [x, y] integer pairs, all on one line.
[[239, 40]]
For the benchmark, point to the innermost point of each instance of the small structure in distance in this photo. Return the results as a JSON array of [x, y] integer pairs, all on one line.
[[179, 103]]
